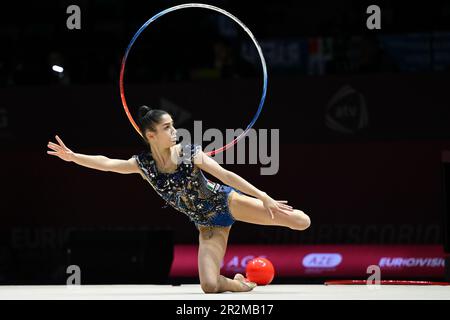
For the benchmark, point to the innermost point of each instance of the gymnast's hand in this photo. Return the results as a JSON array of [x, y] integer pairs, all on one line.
[[272, 206], [60, 150]]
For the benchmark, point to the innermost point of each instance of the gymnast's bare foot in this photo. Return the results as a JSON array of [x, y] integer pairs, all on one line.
[[245, 284]]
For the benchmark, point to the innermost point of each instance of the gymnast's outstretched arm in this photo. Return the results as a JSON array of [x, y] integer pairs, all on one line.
[[97, 162]]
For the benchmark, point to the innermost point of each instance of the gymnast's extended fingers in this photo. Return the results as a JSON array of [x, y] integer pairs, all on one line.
[[271, 213], [283, 206], [284, 211], [53, 146], [60, 141]]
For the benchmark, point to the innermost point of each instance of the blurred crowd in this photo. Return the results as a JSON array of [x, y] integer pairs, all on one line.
[[313, 38]]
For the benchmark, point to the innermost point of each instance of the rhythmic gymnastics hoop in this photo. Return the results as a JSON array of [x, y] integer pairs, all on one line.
[[205, 6]]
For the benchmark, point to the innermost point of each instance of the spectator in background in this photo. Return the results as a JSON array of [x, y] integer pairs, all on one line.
[[224, 60], [224, 63], [370, 57], [228, 63]]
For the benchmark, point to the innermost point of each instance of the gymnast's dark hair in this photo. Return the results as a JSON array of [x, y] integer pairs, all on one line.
[[148, 119]]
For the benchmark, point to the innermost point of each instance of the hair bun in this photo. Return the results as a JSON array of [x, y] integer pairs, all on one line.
[[143, 111]]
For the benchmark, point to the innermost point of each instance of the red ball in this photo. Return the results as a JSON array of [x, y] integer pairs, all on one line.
[[260, 270]]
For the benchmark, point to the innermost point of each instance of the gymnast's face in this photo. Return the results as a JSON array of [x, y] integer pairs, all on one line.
[[165, 135]]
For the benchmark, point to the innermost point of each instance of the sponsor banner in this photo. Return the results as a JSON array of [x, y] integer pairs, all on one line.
[[396, 261]]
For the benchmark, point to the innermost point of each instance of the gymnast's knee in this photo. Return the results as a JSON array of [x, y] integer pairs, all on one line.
[[210, 286], [301, 221]]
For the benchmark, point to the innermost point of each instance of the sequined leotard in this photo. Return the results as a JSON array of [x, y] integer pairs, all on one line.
[[188, 190]]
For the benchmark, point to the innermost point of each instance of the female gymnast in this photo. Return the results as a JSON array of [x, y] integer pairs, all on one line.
[[175, 172]]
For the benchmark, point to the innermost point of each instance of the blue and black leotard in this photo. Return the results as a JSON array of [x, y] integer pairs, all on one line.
[[188, 190]]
